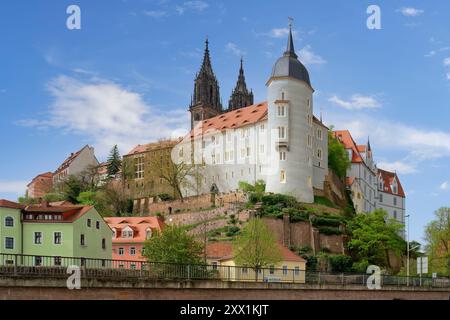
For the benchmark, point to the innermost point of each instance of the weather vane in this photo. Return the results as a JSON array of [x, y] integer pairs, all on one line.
[[290, 21]]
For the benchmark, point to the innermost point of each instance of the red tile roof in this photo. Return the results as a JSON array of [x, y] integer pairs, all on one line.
[[69, 213], [70, 159], [388, 179], [138, 224], [232, 120], [152, 146], [43, 176], [346, 139], [224, 250], [236, 119], [10, 205]]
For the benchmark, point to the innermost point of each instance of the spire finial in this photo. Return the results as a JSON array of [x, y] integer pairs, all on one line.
[[290, 51]]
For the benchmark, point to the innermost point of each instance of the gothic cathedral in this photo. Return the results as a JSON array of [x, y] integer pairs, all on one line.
[[206, 102]]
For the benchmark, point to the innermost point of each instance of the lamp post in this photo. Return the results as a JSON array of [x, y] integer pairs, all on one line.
[[407, 253]]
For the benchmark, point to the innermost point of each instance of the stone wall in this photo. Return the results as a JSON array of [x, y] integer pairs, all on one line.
[[55, 289], [302, 234], [152, 206]]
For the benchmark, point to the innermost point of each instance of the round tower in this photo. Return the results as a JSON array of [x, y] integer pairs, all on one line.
[[290, 121]]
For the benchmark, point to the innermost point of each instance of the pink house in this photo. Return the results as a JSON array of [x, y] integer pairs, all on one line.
[[129, 235]]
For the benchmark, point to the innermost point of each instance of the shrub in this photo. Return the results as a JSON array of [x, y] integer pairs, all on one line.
[[330, 221], [279, 199], [165, 197], [303, 250], [360, 266], [54, 197], [324, 201], [311, 263], [330, 230], [340, 263]]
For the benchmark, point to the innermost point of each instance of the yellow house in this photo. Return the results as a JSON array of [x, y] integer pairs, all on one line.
[[291, 269]]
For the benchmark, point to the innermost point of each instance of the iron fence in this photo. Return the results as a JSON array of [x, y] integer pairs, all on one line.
[[12, 265]]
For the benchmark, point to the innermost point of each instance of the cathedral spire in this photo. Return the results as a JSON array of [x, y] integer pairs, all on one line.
[[240, 97], [206, 65], [206, 102]]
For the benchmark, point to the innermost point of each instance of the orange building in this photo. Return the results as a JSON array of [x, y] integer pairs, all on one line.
[[129, 235], [40, 185]]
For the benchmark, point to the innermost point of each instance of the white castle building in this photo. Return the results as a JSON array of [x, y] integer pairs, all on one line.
[[279, 141]]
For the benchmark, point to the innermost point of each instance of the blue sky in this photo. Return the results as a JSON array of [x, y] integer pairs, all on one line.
[[127, 75]]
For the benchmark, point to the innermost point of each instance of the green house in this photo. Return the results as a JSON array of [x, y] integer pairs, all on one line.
[[50, 235]]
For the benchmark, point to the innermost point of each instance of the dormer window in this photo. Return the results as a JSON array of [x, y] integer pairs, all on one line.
[[148, 233], [127, 233], [114, 235]]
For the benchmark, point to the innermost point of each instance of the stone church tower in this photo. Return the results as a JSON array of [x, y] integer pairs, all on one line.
[[240, 96], [205, 102]]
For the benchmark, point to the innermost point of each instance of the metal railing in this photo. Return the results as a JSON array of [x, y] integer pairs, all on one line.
[[12, 265]]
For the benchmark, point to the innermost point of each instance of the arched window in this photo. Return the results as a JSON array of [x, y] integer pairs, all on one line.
[[9, 222]]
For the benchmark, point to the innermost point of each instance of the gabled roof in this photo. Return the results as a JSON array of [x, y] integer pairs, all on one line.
[[232, 120], [139, 225], [69, 213], [70, 159], [224, 251], [152, 146], [346, 139], [42, 176], [10, 205], [388, 178]]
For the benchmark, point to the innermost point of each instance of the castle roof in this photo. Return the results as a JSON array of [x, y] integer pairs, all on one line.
[[236, 119], [388, 179], [289, 65]]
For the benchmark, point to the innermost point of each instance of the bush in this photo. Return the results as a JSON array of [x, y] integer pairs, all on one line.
[[330, 230], [279, 199], [311, 263], [165, 197], [87, 198], [329, 221], [304, 250], [296, 215], [324, 202], [340, 263], [54, 197], [255, 197], [360, 266]]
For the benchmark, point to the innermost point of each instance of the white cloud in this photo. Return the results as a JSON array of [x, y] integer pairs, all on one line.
[[448, 75], [196, 5], [308, 57], [281, 33], [356, 102], [107, 114], [234, 49], [446, 61], [15, 186], [431, 54], [410, 12], [444, 186], [155, 13], [398, 166]]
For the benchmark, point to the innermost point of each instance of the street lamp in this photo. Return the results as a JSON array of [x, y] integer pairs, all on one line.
[[407, 253]]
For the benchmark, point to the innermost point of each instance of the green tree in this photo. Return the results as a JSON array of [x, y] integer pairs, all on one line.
[[87, 198], [338, 159], [114, 162], [258, 187], [373, 235], [71, 188], [173, 245], [256, 246], [437, 235]]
